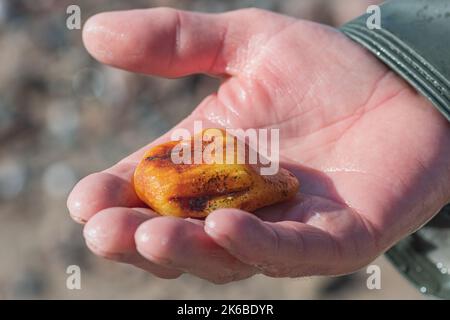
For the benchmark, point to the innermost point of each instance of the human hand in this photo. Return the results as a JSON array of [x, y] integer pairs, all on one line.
[[371, 154]]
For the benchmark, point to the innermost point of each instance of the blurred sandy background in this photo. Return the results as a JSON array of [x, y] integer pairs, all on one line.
[[63, 116]]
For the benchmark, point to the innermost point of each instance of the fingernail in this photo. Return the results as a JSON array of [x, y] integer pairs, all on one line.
[[78, 219]]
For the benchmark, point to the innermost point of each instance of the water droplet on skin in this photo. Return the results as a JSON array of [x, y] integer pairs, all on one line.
[[423, 289], [144, 238], [91, 233], [242, 95], [211, 224], [215, 118]]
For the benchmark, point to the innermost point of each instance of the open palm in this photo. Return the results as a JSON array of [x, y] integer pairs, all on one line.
[[371, 154]]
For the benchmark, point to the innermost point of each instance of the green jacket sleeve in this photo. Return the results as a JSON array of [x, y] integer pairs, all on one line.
[[414, 41]]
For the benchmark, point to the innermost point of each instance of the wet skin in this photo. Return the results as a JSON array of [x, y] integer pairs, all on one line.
[[370, 152]]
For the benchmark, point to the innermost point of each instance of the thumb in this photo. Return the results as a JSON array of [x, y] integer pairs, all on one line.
[[174, 43]]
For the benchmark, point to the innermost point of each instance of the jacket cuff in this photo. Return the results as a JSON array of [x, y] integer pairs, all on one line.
[[413, 40]]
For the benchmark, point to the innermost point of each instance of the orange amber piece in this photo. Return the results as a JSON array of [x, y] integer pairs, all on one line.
[[195, 190]]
